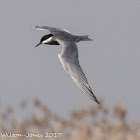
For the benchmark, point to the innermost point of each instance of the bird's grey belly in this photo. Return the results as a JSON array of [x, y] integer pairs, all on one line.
[[68, 54]]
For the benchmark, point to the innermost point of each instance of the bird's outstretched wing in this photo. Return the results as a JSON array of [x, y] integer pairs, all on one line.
[[70, 62], [50, 29]]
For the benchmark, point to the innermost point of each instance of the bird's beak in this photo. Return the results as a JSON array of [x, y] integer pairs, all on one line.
[[38, 44]]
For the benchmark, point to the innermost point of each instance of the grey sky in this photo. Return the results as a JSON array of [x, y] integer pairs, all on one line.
[[111, 62]]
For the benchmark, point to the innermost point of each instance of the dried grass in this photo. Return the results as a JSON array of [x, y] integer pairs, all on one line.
[[85, 123]]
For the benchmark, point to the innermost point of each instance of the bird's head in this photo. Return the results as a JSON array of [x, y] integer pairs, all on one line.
[[47, 39]]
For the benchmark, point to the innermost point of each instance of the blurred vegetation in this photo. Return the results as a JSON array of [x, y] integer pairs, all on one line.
[[86, 123]]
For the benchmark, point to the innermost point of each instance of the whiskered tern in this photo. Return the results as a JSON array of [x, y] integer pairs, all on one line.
[[68, 55]]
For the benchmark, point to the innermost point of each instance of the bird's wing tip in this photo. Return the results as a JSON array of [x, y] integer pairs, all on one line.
[[35, 28], [97, 101]]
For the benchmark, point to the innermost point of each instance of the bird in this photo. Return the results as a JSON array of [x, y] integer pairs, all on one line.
[[68, 55]]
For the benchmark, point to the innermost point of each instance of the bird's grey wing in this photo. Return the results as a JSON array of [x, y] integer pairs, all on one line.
[[50, 29], [73, 68]]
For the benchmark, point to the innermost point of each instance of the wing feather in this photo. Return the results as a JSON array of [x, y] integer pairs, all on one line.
[[50, 29], [81, 80], [73, 68]]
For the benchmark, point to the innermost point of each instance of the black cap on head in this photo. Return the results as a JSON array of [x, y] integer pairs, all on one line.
[[45, 37], [49, 42]]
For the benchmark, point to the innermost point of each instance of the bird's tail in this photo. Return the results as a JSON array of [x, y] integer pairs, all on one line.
[[83, 38]]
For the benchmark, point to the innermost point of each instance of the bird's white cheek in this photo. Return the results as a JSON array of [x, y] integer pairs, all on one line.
[[47, 40]]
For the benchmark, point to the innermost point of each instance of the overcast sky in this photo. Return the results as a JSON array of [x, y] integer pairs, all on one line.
[[111, 62]]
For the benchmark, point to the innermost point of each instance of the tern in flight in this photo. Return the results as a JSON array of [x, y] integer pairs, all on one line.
[[68, 55]]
